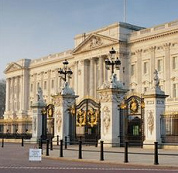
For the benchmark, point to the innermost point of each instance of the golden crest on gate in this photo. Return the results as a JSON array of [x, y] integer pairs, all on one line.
[[92, 116], [134, 106], [81, 117]]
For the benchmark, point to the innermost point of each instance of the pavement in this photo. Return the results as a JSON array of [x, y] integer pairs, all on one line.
[[115, 155]]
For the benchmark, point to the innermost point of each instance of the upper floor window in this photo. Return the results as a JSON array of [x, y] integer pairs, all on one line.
[[145, 67], [160, 65], [45, 85], [175, 62], [31, 88], [132, 70], [175, 90], [52, 84]]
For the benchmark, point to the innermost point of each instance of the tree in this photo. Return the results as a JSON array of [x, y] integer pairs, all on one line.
[[2, 96]]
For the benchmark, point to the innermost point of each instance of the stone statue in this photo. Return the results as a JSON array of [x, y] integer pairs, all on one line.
[[40, 94], [156, 79]]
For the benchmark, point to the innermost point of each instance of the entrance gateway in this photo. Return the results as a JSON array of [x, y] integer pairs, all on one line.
[[86, 120], [132, 120]]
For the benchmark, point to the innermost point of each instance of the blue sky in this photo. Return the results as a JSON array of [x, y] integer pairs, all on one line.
[[35, 28]]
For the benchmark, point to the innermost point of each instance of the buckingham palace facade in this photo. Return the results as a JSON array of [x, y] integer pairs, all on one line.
[[140, 50]]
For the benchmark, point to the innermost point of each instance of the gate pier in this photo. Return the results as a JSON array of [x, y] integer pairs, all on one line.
[[111, 94]]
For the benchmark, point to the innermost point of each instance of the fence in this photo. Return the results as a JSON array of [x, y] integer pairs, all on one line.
[[63, 148], [81, 147]]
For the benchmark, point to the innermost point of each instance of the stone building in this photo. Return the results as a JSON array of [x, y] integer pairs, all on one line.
[[141, 51]]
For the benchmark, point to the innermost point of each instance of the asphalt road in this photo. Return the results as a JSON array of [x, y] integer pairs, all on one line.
[[15, 159]]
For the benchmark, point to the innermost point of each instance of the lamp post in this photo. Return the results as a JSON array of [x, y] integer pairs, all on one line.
[[112, 61], [65, 71]]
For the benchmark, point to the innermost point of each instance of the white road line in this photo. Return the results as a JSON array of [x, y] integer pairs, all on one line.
[[84, 168]]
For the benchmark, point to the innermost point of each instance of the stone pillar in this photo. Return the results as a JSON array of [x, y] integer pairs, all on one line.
[[111, 95], [92, 77], [37, 107], [7, 93], [167, 68], [62, 103], [154, 106], [101, 76]]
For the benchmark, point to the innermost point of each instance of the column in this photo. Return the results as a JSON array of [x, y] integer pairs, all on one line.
[[56, 81], [152, 61], [75, 76], [167, 68], [7, 94], [91, 90], [49, 85], [139, 70], [101, 76]]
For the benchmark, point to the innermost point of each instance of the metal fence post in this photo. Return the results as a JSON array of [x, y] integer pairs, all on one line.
[[22, 144], [126, 153], [51, 143], [96, 142], [2, 142], [101, 151], [80, 150], [61, 148], [65, 142], [47, 147], [57, 139], [156, 153]]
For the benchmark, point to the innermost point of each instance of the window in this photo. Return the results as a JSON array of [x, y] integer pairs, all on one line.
[[175, 90], [38, 85], [145, 67], [52, 84], [31, 88], [175, 62], [160, 65], [45, 85], [132, 70]]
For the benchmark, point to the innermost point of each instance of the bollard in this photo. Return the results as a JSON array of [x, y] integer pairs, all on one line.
[[80, 150], [2, 142], [47, 147], [126, 153], [156, 153], [101, 151], [22, 144], [96, 142], [65, 142], [61, 148], [51, 144], [57, 139]]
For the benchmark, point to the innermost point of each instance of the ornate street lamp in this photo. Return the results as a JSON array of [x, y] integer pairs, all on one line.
[[112, 62], [65, 71]]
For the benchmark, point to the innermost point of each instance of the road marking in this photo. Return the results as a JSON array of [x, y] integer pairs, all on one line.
[[85, 168]]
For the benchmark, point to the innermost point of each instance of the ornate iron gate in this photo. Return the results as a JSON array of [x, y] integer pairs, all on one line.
[[132, 120], [48, 121], [86, 120]]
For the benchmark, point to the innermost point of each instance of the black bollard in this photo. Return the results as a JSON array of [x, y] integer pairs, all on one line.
[[2, 142], [22, 144], [126, 153], [47, 147], [156, 153], [96, 142], [61, 148], [80, 150], [65, 142], [51, 144], [101, 151], [57, 139]]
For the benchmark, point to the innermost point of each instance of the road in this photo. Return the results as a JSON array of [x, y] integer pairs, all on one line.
[[15, 159]]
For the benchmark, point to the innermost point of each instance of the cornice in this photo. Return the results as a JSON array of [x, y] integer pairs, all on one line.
[[153, 36]]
